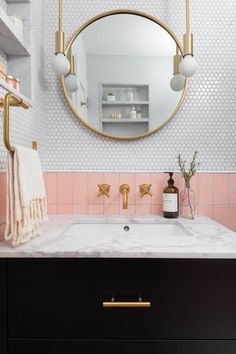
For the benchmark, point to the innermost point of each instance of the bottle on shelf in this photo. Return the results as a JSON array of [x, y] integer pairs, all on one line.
[[130, 95], [133, 113], [139, 113], [135, 91], [114, 116], [122, 95]]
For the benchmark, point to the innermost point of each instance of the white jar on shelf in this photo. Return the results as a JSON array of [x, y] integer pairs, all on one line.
[[139, 113], [133, 113]]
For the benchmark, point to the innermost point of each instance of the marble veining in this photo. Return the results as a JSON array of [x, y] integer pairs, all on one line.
[[202, 238]]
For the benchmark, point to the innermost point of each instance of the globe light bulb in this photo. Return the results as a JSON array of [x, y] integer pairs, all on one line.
[[71, 83], [60, 64], [188, 66], [177, 82]]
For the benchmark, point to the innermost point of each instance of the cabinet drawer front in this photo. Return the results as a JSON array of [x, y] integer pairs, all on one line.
[[209, 300], [158, 316], [64, 299], [124, 347], [48, 298]]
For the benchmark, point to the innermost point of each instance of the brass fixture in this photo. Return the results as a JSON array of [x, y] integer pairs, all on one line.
[[124, 190], [176, 61], [104, 189], [34, 145], [145, 189], [188, 65], [188, 36], [60, 61], [138, 303], [72, 62], [60, 35], [177, 82], [11, 100]]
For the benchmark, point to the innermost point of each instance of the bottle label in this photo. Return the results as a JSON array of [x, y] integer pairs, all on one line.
[[170, 202]]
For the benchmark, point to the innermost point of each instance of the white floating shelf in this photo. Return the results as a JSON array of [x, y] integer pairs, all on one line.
[[130, 103], [11, 42], [18, 1], [125, 120], [17, 93]]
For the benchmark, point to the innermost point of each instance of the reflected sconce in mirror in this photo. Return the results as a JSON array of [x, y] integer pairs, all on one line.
[[188, 65], [60, 63], [71, 80], [178, 81]]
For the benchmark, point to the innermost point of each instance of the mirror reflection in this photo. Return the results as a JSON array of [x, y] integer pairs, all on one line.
[[121, 82]]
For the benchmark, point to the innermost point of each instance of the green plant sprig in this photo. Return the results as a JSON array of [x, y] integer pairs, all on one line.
[[188, 173]]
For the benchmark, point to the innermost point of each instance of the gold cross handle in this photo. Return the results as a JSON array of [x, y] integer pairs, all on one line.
[[104, 189], [145, 189]]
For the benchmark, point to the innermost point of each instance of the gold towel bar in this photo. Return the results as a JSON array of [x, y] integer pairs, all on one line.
[[11, 100]]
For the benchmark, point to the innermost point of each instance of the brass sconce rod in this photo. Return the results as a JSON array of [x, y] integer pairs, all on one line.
[[71, 59], [60, 35], [11, 100], [188, 36], [176, 61], [187, 17], [60, 15]]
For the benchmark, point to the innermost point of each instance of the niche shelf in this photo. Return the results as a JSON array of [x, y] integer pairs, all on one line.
[[17, 46], [123, 105], [11, 42], [125, 120], [17, 93], [128, 103]]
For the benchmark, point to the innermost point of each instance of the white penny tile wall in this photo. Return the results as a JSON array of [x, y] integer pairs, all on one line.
[[206, 121]]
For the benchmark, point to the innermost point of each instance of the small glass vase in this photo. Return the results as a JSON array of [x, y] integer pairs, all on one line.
[[187, 202]]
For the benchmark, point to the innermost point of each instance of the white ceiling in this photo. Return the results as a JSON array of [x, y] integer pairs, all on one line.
[[125, 34]]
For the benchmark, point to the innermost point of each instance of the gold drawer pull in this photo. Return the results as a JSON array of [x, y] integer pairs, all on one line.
[[138, 303]]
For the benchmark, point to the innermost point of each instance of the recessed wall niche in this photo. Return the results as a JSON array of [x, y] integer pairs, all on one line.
[[15, 43]]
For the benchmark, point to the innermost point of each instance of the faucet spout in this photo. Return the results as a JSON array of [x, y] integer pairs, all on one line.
[[124, 190]]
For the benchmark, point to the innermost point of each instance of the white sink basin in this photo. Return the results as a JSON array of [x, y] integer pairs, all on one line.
[[145, 230], [114, 236]]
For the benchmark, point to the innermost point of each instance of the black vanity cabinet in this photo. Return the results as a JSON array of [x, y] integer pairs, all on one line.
[[56, 306]]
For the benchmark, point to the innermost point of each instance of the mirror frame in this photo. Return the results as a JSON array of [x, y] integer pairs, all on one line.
[[130, 12]]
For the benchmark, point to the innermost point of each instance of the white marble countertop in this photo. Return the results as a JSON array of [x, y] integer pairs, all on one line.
[[205, 239]]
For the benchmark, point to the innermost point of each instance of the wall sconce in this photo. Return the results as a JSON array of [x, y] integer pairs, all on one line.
[[178, 81], [188, 65], [60, 63], [71, 80]]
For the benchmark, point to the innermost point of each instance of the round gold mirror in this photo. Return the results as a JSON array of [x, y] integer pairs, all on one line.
[[124, 81]]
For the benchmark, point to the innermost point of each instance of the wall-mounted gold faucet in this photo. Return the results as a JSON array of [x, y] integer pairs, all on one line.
[[104, 189], [145, 189], [124, 190]]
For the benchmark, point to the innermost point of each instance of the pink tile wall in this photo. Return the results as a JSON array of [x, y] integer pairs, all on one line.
[[76, 193]]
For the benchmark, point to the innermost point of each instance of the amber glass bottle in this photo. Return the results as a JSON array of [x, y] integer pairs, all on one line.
[[171, 199]]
